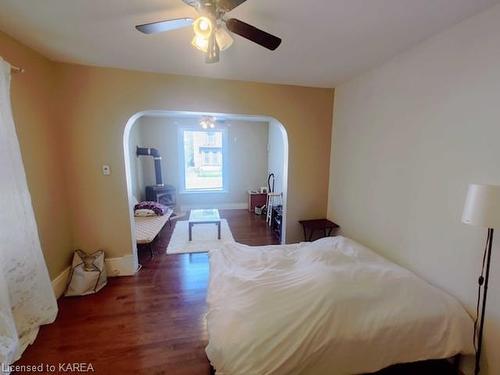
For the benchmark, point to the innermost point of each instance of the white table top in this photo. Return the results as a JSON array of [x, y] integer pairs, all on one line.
[[211, 214]]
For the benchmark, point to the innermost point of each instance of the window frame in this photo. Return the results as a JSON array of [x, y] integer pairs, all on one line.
[[182, 164]]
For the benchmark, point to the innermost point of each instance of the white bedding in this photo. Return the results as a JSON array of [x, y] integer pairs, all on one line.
[[326, 307]]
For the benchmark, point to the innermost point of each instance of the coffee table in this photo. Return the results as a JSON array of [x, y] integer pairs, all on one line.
[[206, 216]]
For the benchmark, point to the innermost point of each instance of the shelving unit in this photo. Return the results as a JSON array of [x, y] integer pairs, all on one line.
[[277, 221]]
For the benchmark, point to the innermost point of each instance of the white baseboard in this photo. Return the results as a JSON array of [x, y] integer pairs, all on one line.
[[221, 206], [59, 283], [121, 266]]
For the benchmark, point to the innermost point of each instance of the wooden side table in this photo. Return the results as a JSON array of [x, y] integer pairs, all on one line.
[[312, 226], [256, 199]]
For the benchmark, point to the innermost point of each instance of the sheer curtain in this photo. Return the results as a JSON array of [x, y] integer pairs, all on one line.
[[26, 297]]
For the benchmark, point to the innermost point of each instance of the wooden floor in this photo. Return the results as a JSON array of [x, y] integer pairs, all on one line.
[[150, 323], [153, 322]]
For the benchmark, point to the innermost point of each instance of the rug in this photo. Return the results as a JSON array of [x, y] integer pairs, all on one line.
[[204, 238]]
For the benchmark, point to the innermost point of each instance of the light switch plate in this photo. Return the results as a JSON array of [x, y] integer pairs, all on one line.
[[106, 170]]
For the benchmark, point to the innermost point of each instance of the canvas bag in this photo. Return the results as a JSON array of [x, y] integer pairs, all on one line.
[[88, 274]]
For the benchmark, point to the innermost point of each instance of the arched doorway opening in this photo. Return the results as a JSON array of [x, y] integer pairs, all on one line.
[[277, 162]]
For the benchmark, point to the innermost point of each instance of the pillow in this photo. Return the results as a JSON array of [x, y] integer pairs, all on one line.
[[143, 212], [158, 208]]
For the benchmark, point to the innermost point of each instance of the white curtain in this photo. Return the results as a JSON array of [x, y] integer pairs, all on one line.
[[26, 297]]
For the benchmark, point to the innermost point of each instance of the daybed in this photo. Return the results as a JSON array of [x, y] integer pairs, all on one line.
[[148, 227]]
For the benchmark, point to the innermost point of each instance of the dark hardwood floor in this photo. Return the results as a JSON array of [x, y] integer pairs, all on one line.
[[153, 322], [150, 323]]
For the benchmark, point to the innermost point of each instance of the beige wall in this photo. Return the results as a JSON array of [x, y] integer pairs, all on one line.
[[408, 139], [247, 155], [71, 120], [40, 139], [98, 102]]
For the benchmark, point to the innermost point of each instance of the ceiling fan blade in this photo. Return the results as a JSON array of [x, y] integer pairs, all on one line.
[[250, 32], [161, 26], [228, 5]]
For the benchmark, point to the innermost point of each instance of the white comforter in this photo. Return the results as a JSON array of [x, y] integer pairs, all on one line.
[[327, 307]]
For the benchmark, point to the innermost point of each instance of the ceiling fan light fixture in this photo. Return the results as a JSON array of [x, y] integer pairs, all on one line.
[[212, 30], [200, 43], [224, 39], [203, 27], [213, 53], [207, 122]]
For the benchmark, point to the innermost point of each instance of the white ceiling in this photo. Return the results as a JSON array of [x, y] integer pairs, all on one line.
[[324, 41]]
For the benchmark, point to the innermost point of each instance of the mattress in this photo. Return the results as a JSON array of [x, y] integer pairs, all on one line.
[[147, 228], [327, 307]]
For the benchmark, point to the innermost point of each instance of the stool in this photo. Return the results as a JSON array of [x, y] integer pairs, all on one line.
[[273, 199]]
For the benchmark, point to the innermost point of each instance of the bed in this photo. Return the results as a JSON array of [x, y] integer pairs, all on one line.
[[327, 307]]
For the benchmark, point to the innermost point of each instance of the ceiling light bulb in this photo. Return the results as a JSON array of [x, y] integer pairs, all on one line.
[[200, 43], [203, 27], [212, 125]]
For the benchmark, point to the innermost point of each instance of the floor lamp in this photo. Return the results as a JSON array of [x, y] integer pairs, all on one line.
[[482, 208]]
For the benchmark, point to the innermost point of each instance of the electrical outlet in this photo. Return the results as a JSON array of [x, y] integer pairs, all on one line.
[[106, 170]]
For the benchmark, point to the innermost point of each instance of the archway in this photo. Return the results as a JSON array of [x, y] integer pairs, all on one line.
[[160, 113]]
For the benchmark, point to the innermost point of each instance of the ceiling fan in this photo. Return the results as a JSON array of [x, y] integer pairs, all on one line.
[[212, 29]]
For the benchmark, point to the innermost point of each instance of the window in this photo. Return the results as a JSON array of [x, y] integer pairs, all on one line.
[[202, 155]]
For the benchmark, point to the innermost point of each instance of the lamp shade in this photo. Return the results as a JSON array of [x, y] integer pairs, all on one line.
[[482, 206]]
